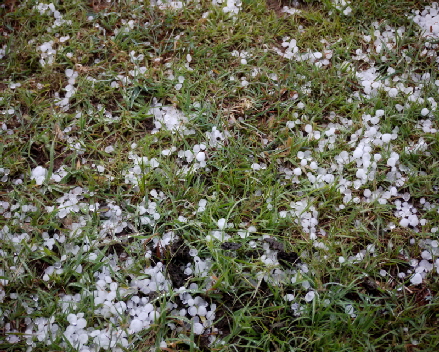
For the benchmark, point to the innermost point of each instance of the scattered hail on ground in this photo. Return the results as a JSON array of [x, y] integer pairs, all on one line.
[[219, 175]]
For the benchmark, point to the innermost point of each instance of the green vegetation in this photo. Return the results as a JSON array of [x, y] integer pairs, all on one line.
[[208, 176]]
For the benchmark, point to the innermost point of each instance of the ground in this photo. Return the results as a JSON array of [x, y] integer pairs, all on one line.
[[219, 175]]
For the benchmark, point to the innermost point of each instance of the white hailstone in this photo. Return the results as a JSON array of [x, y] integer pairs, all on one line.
[[367, 193], [221, 223], [83, 338], [347, 11], [414, 262], [72, 319], [198, 328], [109, 149], [149, 308], [361, 173], [424, 112], [427, 265], [202, 311], [416, 279], [135, 326], [39, 175], [201, 156], [313, 165], [255, 166], [202, 205], [100, 168], [188, 57], [391, 162], [358, 153], [188, 271], [81, 323], [297, 171], [375, 120], [383, 272], [393, 92], [426, 255], [308, 128], [393, 192], [372, 132], [349, 309], [273, 76], [404, 222], [386, 137], [399, 107], [154, 163], [289, 297], [310, 296], [193, 311], [341, 259], [413, 220], [12, 338], [318, 55], [244, 82], [243, 61], [291, 124], [330, 132]]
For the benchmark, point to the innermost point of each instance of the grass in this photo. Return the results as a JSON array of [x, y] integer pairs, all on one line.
[[287, 254]]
